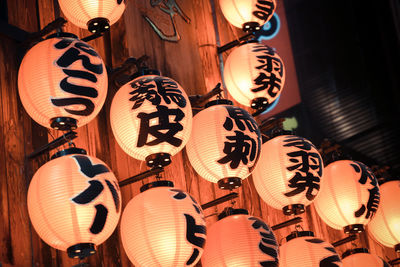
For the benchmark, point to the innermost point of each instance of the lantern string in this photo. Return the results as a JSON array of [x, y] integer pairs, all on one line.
[[298, 227]]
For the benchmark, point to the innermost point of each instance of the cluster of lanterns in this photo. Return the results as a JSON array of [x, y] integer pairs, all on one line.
[[74, 200]]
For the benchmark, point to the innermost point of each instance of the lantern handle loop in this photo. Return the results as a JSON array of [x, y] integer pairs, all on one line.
[[298, 227], [69, 141]]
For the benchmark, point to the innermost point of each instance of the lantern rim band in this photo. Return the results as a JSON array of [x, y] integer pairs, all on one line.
[[229, 183], [397, 248], [62, 34], [98, 25], [81, 250], [231, 211], [353, 229], [158, 160], [354, 251], [218, 102], [144, 72], [297, 234], [162, 183], [294, 209], [63, 123], [69, 151]]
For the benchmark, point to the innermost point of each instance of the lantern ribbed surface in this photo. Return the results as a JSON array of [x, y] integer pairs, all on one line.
[[288, 172], [364, 260], [62, 77], [238, 12], [254, 71], [240, 240], [149, 115], [74, 199], [349, 194], [385, 225], [163, 227], [79, 12], [214, 130]]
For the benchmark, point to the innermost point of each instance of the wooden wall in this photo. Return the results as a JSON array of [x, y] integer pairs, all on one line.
[[193, 62]]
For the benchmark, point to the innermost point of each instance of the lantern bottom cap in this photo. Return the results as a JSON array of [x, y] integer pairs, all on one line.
[[229, 183], [98, 25], [251, 26], [63, 123], [354, 251], [162, 183], [353, 229], [397, 248], [294, 209], [81, 250], [158, 160]]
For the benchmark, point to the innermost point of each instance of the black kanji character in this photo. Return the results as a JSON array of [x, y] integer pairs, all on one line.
[[265, 9], [241, 118], [270, 83], [301, 183], [170, 91], [331, 261], [144, 88]]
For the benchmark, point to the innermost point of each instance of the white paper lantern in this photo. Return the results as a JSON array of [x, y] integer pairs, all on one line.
[[360, 257]]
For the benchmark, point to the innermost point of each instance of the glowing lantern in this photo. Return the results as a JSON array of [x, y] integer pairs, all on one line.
[[248, 15], [94, 15], [361, 257], [62, 82], [385, 225], [349, 196], [225, 144], [151, 119], [240, 240], [74, 202], [288, 173], [254, 75], [163, 226], [303, 249]]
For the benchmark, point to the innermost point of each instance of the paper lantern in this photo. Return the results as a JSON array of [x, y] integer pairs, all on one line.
[[289, 173], [303, 249], [62, 82], [385, 225], [254, 75], [361, 257], [349, 196], [240, 240], [163, 226], [151, 119], [225, 144], [94, 15], [248, 15], [74, 202]]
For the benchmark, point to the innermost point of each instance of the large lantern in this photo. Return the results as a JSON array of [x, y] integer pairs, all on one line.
[[303, 249], [151, 119], [225, 144], [74, 202], [163, 226], [361, 257], [254, 75], [62, 82], [248, 15], [349, 196], [288, 173], [94, 15], [240, 240], [385, 225]]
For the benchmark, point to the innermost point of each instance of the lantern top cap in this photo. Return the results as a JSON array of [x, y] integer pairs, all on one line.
[[163, 183], [354, 251], [231, 211], [296, 234], [62, 34], [69, 151], [219, 102]]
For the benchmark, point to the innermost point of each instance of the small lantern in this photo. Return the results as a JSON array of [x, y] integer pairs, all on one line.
[[240, 240], [254, 75], [248, 15], [361, 257], [225, 144], [349, 196], [289, 173], [163, 226], [94, 15], [151, 119], [303, 249], [385, 225], [74, 202], [62, 82]]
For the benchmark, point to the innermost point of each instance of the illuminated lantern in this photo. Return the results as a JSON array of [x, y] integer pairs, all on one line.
[[74, 202], [349, 196], [94, 15], [254, 75], [248, 15], [163, 226], [225, 144], [240, 240], [305, 250], [361, 257], [62, 82], [288, 173], [151, 119], [385, 225]]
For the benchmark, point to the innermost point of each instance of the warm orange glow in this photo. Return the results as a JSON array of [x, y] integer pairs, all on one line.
[[62, 77], [163, 226], [67, 199], [286, 160], [238, 241], [349, 194], [363, 260], [149, 115], [385, 225], [248, 71]]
